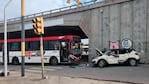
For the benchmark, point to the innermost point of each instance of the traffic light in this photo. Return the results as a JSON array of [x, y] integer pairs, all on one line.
[[38, 25], [68, 1], [78, 2]]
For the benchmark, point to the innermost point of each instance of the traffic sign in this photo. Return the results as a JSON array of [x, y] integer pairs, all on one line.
[[126, 43]]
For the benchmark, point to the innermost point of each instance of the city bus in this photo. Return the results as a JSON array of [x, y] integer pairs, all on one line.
[[56, 49]]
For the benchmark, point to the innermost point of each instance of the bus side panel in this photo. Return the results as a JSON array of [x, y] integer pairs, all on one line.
[[35, 59], [13, 54], [49, 53]]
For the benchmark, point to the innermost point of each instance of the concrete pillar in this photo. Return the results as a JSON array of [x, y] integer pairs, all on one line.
[[94, 40], [147, 31], [139, 27], [85, 23]]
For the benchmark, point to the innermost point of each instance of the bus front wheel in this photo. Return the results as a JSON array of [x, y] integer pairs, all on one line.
[[53, 61], [15, 61]]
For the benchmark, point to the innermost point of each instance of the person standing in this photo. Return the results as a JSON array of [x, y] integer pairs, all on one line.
[[75, 54]]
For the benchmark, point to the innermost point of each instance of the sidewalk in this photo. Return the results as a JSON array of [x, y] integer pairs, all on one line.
[[33, 78]]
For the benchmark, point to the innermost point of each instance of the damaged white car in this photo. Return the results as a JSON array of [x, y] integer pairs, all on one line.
[[116, 56]]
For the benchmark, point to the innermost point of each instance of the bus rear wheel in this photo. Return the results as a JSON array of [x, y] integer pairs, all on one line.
[[15, 61], [53, 61]]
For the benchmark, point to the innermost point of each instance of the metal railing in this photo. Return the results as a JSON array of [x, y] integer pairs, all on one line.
[[54, 11]]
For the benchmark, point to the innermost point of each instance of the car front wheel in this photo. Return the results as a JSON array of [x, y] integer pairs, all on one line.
[[132, 62], [102, 63]]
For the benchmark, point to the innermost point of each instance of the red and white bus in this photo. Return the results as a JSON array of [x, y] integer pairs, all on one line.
[[56, 49]]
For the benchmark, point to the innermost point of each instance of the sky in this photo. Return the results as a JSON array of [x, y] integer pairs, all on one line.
[[31, 6]]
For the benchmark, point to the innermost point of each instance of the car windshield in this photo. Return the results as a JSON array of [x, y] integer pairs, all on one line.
[[107, 52]]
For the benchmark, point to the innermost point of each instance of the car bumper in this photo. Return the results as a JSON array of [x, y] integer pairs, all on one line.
[[94, 62]]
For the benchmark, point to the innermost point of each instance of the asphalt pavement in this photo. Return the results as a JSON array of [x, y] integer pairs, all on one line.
[[65, 74], [32, 78]]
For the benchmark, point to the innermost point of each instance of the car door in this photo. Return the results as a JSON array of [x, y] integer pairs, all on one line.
[[123, 56], [113, 59]]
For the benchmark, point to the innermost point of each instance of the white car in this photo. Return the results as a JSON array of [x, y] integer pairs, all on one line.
[[118, 56]]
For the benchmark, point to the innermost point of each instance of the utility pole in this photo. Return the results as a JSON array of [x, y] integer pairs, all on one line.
[[5, 39], [39, 30], [42, 57], [22, 40]]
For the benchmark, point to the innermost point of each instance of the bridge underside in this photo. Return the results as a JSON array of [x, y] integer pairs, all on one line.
[[51, 31], [65, 30]]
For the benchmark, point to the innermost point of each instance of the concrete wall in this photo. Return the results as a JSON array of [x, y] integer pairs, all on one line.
[[139, 26], [147, 31], [119, 21]]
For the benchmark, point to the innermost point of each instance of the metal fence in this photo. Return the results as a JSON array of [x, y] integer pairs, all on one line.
[[54, 11]]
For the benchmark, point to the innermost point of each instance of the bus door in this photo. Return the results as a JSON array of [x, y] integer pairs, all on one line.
[[64, 52]]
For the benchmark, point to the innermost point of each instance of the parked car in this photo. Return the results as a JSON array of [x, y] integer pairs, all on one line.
[[116, 56]]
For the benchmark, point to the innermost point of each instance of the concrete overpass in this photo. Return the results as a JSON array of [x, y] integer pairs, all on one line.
[[101, 22]]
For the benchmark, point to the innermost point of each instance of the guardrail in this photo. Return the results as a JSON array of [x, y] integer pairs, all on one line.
[[54, 11]]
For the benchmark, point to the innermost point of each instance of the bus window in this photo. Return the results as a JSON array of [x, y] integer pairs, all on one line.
[[1, 46], [33, 45], [15, 46], [51, 45], [26, 46], [76, 40]]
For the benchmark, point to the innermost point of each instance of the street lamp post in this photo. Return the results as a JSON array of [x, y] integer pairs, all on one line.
[[5, 39]]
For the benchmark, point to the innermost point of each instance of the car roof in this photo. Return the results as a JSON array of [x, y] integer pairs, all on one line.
[[122, 51]]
